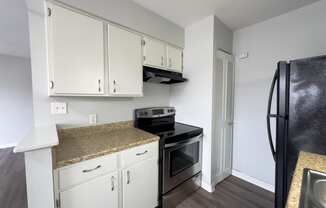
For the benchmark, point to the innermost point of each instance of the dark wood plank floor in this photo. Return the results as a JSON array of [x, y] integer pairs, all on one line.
[[231, 193], [12, 180]]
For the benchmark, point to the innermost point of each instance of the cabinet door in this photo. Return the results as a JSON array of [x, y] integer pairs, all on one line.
[[101, 192], [154, 53], [140, 185], [125, 62], [174, 58], [76, 52]]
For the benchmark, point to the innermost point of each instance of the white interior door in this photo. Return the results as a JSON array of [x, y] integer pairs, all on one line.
[[125, 62], [154, 53], [76, 52], [174, 58], [225, 69], [101, 192]]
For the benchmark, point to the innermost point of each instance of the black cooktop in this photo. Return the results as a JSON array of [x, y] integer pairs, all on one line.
[[176, 133]]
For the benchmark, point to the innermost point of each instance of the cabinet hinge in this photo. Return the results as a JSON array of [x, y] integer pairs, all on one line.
[[143, 42], [49, 12]]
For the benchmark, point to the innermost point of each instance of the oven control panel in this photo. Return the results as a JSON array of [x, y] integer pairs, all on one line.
[[154, 112]]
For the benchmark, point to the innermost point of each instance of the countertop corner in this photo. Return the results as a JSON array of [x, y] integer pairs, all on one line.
[[38, 138], [305, 160]]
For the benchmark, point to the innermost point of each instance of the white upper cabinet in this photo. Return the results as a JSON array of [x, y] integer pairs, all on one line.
[[85, 59], [125, 62], [101, 192], [76, 53], [161, 55], [174, 58], [154, 53]]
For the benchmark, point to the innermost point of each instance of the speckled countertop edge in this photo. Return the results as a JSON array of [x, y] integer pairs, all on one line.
[[136, 137], [306, 160]]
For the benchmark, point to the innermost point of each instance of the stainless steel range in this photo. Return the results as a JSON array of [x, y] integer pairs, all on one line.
[[180, 149]]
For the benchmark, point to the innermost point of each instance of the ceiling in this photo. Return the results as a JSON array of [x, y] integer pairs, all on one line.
[[14, 39], [235, 14]]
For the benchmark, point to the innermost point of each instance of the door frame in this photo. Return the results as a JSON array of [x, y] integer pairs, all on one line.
[[217, 109]]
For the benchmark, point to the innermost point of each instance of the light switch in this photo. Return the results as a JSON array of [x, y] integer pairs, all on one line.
[[58, 108]]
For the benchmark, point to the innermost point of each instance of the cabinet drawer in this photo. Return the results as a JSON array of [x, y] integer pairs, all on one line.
[[137, 154], [83, 171]]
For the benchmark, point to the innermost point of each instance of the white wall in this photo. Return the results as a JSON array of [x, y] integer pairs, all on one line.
[[298, 34], [223, 39], [108, 109], [16, 99], [223, 36], [14, 28], [194, 100], [111, 109]]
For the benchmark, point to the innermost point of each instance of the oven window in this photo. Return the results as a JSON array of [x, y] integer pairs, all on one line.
[[183, 158]]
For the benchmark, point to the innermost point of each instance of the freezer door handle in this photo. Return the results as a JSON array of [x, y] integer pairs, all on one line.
[[269, 115]]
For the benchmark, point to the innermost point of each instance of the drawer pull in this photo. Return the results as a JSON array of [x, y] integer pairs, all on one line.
[[142, 153], [90, 170]]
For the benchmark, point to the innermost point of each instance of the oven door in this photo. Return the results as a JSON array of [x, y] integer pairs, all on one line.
[[181, 161]]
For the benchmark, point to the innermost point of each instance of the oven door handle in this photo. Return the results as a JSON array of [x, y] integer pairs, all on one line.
[[185, 142]]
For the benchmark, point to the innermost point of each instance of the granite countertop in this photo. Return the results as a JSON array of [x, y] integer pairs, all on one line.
[[306, 160], [84, 143]]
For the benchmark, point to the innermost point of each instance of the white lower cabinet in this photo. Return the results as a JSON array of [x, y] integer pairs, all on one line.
[[101, 192], [102, 183], [140, 185]]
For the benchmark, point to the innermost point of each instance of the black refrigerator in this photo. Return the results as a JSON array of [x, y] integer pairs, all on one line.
[[300, 87]]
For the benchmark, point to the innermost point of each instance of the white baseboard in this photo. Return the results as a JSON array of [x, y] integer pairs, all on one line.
[[211, 187], [208, 187], [4, 146], [253, 180]]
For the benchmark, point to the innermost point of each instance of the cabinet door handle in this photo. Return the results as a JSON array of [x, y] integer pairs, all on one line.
[[162, 61], [142, 153], [51, 84], [112, 183], [90, 170], [128, 177], [170, 62]]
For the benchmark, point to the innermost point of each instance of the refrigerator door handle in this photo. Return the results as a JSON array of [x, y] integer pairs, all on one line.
[[269, 115]]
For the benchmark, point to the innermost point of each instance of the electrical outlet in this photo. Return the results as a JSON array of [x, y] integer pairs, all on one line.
[[58, 108], [92, 118]]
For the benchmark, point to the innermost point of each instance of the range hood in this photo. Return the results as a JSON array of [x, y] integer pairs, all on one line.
[[161, 76]]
